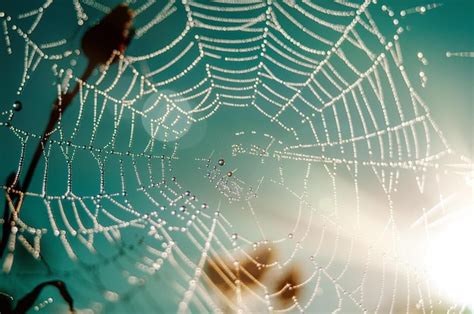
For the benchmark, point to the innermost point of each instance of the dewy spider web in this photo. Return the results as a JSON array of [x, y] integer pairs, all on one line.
[[320, 98]]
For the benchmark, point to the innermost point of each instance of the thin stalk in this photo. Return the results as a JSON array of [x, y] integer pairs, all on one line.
[[59, 107]]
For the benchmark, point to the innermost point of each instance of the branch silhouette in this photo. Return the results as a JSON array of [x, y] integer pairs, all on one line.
[[100, 45]]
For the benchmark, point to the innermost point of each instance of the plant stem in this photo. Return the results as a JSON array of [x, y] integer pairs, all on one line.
[[59, 107]]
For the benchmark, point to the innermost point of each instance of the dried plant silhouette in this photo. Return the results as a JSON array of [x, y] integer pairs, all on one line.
[[249, 270], [27, 302], [287, 287], [100, 45]]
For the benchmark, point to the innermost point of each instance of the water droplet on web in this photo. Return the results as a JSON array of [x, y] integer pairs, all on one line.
[[111, 296], [229, 174], [17, 105], [132, 280], [221, 162]]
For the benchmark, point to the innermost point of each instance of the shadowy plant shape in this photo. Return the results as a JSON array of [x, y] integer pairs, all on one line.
[[27, 302], [113, 33], [249, 269], [287, 287], [100, 45]]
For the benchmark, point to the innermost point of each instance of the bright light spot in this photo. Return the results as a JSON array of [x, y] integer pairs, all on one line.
[[167, 116], [451, 259]]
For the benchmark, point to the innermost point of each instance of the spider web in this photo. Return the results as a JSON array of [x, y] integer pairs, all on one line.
[[315, 137]]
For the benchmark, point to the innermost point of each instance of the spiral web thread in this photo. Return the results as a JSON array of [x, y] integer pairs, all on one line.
[[325, 74]]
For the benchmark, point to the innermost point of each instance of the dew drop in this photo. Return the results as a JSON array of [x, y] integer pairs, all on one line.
[[111, 296], [17, 105]]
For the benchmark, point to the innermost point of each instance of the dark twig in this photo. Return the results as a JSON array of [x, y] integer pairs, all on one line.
[[27, 302], [100, 43], [113, 33]]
